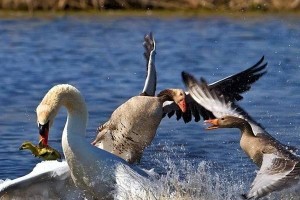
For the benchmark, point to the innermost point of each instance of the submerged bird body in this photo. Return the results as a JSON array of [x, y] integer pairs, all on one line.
[[46, 153], [279, 166]]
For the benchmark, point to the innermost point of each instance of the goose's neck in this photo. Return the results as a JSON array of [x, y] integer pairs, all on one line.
[[165, 95], [246, 129]]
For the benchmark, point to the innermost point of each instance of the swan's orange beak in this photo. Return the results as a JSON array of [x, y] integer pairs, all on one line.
[[182, 105], [44, 132], [213, 122]]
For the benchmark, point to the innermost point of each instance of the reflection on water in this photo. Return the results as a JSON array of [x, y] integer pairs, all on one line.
[[103, 58]]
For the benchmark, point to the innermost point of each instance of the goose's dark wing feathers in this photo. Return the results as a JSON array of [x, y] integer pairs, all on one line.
[[232, 86], [193, 109]]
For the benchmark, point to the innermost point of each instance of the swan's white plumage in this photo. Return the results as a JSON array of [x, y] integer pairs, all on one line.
[[93, 170], [48, 180]]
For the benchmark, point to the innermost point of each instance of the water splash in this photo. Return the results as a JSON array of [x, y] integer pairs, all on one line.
[[186, 180]]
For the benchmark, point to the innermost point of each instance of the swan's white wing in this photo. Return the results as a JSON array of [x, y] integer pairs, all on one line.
[[216, 103], [276, 173], [48, 180], [150, 82]]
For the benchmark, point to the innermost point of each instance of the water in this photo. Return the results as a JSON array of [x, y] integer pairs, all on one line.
[[102, 57]]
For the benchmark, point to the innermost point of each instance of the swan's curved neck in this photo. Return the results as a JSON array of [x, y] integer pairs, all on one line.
[[92, 169], [69, 97]]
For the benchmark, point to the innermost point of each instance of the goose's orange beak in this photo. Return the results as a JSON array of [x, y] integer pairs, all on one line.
[[213, 122], [182, 105], [44, 132]]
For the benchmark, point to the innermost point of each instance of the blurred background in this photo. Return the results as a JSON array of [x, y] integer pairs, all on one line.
[[32, 5]]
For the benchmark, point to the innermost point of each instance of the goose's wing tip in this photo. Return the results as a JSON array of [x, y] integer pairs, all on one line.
[[234, 85], [189, 80]]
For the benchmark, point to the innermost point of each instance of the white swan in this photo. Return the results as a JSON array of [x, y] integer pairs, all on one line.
[[95, 172], [92, 169], [279, 166]]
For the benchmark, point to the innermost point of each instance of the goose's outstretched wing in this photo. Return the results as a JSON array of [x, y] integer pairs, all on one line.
[[149, 54], [231, 87], [219, 105]]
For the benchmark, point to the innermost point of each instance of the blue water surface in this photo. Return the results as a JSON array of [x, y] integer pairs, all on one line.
[[103, 57]]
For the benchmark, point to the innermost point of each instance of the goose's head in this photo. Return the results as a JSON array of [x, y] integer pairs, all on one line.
[[179, 99], [176, 95], [225, 122]]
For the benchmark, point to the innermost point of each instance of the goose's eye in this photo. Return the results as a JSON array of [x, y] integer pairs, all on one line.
[[222, 118]]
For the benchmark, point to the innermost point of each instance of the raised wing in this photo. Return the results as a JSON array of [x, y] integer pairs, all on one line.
[[233, 86], [217, 104], [275, 174], [150, 82]]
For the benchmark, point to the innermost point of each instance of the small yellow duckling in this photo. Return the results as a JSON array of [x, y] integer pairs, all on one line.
[[45, 153]]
